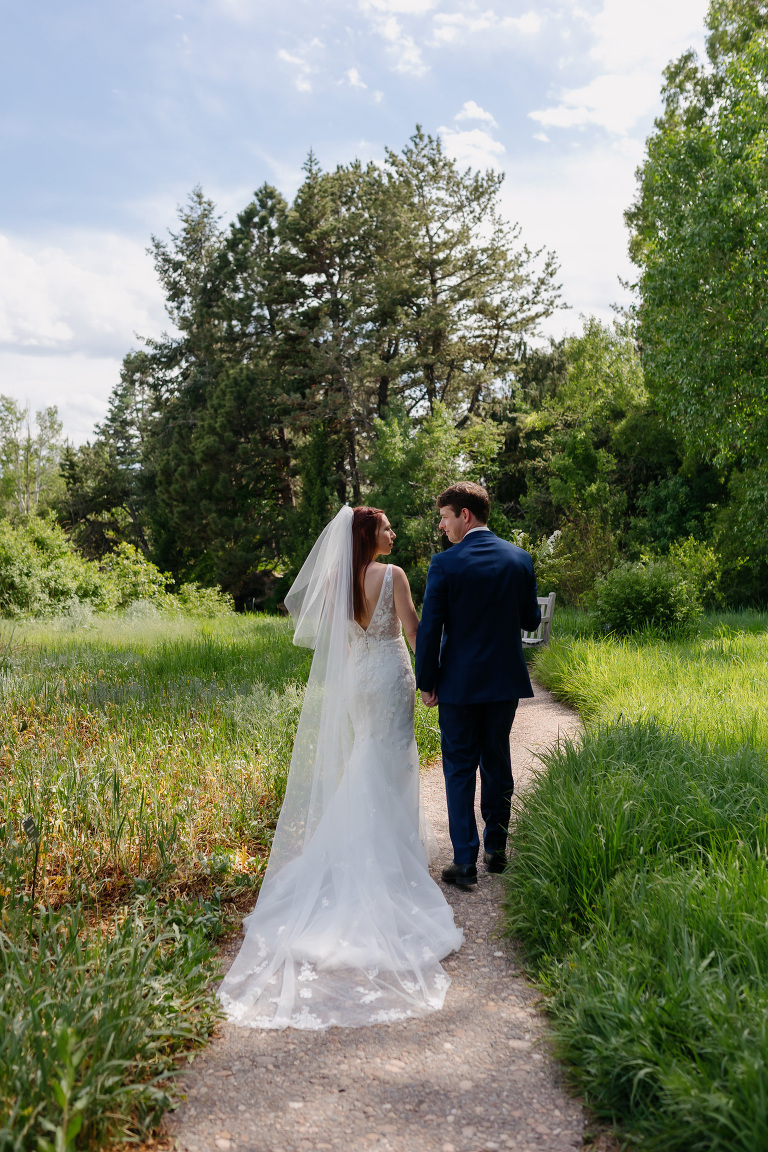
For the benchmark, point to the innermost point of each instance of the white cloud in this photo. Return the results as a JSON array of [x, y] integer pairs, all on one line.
[[354, 78], [472, 111], [68, 314], [612, 101], [473, 147], [631, 44], [450, 27], [573, 202], [301, 79], [649, 34], [404, 50], [406, 7], [91, 294], [79, 385]]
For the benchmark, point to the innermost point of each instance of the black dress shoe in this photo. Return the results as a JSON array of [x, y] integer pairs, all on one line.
[[465, 878], [496, 862]]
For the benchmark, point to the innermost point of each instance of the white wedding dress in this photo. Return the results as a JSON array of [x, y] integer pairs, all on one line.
[[351, 929]]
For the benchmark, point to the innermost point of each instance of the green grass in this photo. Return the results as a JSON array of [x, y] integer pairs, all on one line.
[[638, 883], [712, 687], [152, 754], [149, 751]]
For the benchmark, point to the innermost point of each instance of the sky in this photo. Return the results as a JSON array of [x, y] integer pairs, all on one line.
[[111, 111]]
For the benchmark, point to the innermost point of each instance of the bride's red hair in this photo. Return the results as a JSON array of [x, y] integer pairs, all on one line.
[[365, 528]]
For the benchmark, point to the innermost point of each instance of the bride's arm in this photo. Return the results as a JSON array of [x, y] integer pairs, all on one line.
[[406, 612]]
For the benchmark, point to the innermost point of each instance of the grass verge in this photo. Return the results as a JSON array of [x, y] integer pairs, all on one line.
[[711, 687], [639, 888]]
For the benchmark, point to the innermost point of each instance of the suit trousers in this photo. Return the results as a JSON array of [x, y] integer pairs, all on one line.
[[476, 736]]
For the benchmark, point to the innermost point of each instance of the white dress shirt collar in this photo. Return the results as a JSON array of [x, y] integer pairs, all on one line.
[[477, 528]]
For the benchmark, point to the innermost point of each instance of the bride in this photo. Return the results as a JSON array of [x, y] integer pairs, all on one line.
[[349, 928]]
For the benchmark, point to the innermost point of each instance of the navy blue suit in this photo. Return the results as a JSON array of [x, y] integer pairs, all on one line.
[[480, 594]]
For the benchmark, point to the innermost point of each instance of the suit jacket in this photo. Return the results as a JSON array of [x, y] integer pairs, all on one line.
[[480, 593]]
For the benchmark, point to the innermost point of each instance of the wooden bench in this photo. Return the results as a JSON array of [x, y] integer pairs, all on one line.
[[541, 635]]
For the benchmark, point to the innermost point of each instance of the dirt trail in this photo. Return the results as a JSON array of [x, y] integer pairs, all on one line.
[[468, 1078]]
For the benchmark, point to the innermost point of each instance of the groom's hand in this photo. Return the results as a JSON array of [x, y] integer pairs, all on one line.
[[429, 698]]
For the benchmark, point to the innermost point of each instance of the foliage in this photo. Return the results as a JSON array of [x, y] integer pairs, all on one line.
[[298, 327], [105, 487], [636, 884], [589, 551], [133, 576], [90, 1020], [699, 240], [650, 595], [574, 415], [550, 560], [210, 603], [29, 460], [700, 566], [41, 573], [409, 464]]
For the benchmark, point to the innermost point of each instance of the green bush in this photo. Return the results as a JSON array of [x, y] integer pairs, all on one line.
[[41, 574], [550, 559], [653, 596], [700, 566], [132, 576], [194, 600]]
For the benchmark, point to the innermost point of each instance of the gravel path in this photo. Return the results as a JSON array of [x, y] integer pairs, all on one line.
[[468, 1078]]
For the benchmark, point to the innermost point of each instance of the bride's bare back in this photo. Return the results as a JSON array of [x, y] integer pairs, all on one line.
[[401, 589]]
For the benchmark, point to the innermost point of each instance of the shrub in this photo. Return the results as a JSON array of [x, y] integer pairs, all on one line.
[[132, 576], [653, 596], [194, 600], [41, 574], [701, 567], [550, 559]]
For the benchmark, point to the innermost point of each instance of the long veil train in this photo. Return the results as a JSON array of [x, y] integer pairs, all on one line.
[[349, 928]]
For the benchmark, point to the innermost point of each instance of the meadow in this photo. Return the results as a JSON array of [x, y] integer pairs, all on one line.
[[638, 884], [152, 754]]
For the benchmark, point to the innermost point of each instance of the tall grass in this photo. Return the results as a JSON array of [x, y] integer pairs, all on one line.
[[135, 748], [90, 1020], [639, 888], [639, 881], [712, 687]]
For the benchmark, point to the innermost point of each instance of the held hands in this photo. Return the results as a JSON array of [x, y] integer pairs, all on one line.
[[429, 698]]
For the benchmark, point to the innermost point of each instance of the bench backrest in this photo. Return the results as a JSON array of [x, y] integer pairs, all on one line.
[[541, 635]]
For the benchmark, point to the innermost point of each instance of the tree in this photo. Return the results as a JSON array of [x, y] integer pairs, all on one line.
[[463, 292], [296, 330], [29, 456], [105, 483], [700, 240], [411, 463]]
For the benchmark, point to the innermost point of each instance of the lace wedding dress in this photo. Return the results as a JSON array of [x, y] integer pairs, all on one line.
[[351, 929]]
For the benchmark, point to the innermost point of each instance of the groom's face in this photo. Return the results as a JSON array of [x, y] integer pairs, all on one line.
[[455, 527]]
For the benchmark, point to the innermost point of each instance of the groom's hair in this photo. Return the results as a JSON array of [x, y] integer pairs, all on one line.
[[473, 497]]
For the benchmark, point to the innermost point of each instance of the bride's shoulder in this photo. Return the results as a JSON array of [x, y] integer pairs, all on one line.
[[399, 576]]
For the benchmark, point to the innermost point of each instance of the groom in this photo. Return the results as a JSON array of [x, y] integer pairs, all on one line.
[[469, 658]]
